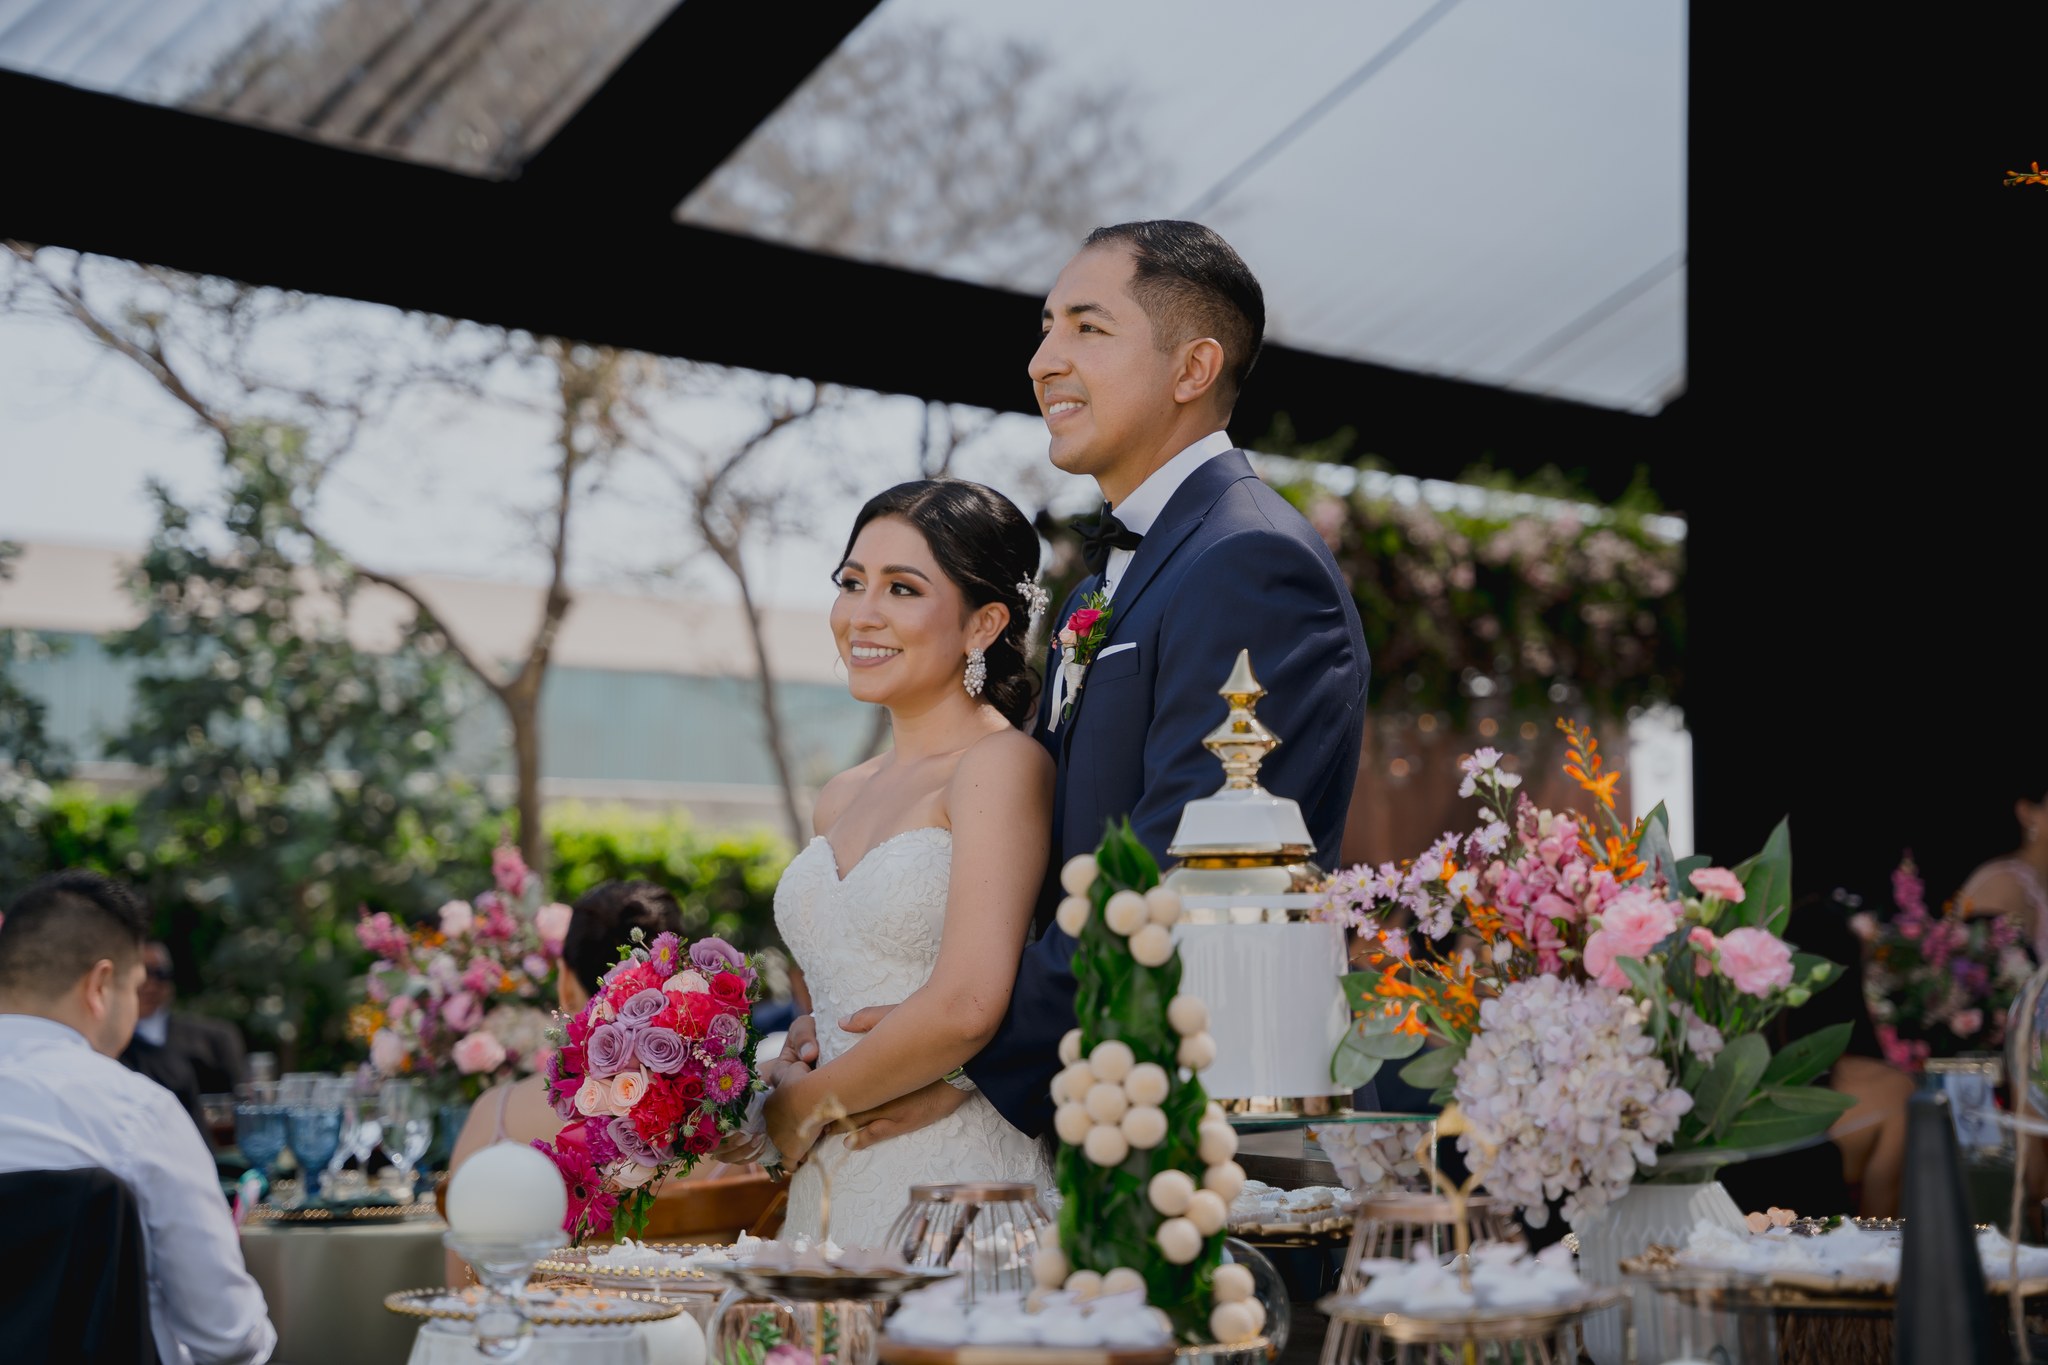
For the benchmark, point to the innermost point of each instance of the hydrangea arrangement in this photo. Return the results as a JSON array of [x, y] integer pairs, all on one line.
[[1940, 984], [462, 1002], [651, 1075], [1660, 973]]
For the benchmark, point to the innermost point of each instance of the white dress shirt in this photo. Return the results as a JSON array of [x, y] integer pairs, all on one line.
[[155, 1028], [65, 1107], [1137, 513]]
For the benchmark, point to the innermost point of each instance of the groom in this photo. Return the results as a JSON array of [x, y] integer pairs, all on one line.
[[1149, 334]]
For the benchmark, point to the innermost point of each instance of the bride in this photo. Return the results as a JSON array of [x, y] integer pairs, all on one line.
[[920, 883]]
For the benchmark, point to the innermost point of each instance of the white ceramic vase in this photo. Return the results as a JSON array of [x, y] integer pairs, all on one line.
[[1645, 1215]]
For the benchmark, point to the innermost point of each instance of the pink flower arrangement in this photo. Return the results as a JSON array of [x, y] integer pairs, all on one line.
[[650, 1075], [1937, 984], [461, 998]]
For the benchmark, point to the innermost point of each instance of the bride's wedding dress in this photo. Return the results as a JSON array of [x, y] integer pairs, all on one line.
[[872, 938]]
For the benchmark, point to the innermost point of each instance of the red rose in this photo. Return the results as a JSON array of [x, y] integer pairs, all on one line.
[[1083, 621], [703, 1135], [572, 1061], [729, 989], [690, 1087]]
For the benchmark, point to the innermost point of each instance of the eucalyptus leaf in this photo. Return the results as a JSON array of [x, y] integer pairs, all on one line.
[[1352, 1066], [1800, 1061], [1688, 866], [1359, 989], [1807, 1099], [1654, 848], [1767, 1125], [1433, 1069], [1767, 883], [1728, 1083]]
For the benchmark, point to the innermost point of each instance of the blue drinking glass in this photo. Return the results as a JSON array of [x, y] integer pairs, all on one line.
[[260, 1133], [315, 1135]]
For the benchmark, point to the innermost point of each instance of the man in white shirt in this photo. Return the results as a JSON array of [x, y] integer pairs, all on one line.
[[71, 962]]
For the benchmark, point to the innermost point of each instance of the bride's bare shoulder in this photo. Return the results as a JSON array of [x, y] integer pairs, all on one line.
[[838, 793], [1007, 754]]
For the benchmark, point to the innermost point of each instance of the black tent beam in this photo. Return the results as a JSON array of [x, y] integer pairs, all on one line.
[[686, 98], [196, 193]]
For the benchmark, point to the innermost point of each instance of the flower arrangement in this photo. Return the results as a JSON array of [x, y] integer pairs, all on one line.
[[462, 1002], [651, 1074], [1599, 1002], [1146, 1164], [1940, 984]]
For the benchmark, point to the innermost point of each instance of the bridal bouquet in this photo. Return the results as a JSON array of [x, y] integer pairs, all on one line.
[[1940, 984], [651, 1075], [462, 1001], [1599, 1002]]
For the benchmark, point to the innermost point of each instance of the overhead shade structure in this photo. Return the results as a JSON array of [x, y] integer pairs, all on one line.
[[555, 166]]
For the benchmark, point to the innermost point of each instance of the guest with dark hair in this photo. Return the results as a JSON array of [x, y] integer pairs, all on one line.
[[71, 966], [2016, 883], [1863, 1164], [189, 1055]]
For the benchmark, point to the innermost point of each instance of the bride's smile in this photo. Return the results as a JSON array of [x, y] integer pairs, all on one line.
[[903, 627]]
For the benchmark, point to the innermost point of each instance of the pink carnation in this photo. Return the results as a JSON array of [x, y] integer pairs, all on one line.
[[1704, 946], [479, 1053], [1757, 961], [551, 922], [1638, 922], [1718, 882]]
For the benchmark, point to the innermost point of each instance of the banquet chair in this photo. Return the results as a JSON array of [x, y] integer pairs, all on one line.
[[75, 1276]]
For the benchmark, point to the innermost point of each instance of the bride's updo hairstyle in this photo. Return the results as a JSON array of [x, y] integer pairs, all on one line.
[[986, 547]]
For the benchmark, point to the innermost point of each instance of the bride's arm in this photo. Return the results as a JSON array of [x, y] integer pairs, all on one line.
[[999, 804]]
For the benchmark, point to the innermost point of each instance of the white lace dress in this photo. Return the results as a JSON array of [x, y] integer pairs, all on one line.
[[872, 938]]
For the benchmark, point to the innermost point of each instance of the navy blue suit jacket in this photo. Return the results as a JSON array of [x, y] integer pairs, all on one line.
[[1228, 565]]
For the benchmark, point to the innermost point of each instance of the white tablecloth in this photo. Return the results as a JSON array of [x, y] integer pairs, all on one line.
[[326, 1287]]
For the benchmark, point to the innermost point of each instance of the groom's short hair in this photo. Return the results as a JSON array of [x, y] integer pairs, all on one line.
[[1191, 283]]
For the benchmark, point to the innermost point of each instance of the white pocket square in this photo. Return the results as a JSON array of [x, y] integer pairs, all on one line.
[[1116, 649]]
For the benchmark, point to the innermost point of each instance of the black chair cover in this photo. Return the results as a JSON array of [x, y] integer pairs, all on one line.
[[76, 1281]]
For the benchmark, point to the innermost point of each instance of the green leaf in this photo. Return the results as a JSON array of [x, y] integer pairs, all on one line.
[[1351, 1066], [1644, 978], [1433, 1069], [1654, 848], [1765, 1126], [1802, 1060], [1359, 988], [1688, 866], [1807, 1099], [1767, 884], [1728, 1083]]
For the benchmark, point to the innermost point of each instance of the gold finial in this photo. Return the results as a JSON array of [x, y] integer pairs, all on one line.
[[1241, 742]]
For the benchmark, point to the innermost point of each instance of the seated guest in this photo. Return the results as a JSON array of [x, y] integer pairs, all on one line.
[[1861, 1169], [70, 967], [602, 922], [2016, 883], [189, 1055]]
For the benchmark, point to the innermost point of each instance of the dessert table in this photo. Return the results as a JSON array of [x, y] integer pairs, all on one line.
[[326, 1285]]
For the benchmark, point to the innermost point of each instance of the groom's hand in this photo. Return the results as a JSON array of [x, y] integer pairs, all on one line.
[[905, 1114], [799, 1052], [861, 1020]]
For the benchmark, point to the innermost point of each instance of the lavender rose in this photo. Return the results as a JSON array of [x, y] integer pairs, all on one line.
[[642, 1007], [661, 1049], [715, 955], [610, 1049], [725, 1032], [630, 1144]]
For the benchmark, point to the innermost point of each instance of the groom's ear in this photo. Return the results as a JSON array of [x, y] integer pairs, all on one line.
[[1199, 373]]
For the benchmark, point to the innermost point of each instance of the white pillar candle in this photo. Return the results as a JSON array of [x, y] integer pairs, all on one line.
[[507, 1192]]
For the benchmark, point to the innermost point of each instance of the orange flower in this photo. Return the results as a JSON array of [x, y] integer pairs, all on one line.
[[1583, 762], [1412, 1024]]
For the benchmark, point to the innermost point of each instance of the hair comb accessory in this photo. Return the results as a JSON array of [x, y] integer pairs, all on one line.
[[1036, 599]]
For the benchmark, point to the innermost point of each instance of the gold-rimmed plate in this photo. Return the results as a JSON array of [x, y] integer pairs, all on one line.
[[571, 1306], [355, 1214], [576, 1263]]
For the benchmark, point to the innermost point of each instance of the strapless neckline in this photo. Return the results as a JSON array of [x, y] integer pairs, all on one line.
[[832, 854]]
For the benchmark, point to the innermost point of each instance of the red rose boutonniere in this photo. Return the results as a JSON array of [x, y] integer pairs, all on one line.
[[1079, 638]]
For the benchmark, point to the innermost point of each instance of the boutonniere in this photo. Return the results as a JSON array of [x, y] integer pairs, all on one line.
[[1080, 637]]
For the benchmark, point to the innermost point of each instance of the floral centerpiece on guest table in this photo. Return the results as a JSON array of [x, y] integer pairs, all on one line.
[[651, 1075], [464, 1002], [1599, 1003], [1937, 985]]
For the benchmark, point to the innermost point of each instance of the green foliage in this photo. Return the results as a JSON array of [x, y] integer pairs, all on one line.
[[1108, 1219], [724, 880], [1492, 608], [29, 761]]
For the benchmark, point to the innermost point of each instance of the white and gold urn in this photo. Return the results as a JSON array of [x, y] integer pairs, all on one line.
[[1272, 974]]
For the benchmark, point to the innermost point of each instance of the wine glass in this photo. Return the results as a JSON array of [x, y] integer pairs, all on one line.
[[259, 1131], [408, 1124], [314, 1130]]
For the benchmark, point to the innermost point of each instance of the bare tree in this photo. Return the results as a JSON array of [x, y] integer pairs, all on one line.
[[198, 339]]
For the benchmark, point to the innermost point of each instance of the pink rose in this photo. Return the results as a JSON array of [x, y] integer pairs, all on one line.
[[387, 1053], [627, 1089], [456, 918], [551, 922], [1704, 946], [478, 1053], [1719, 883], [461, 1012], [1758, 962], [1964, 1023]]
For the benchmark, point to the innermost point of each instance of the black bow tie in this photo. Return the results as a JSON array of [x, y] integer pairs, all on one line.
[[1099, 535]]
